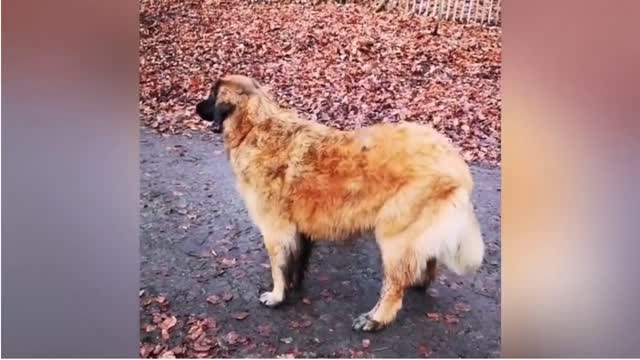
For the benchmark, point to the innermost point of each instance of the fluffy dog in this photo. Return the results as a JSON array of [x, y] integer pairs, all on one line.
[[302, 182]]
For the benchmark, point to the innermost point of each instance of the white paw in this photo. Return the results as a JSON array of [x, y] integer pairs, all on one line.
[[270, 299], [364, 322]]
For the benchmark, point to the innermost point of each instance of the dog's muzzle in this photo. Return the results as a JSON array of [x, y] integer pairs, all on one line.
[[206, 110]]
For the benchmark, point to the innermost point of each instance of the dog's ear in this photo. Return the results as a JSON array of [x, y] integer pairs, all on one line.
[[245, 84], [249, 86]]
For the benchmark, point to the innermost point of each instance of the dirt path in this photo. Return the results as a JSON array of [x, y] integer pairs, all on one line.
[[197, 241]]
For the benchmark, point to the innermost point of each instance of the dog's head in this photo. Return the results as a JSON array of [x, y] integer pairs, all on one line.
[[228, 95]]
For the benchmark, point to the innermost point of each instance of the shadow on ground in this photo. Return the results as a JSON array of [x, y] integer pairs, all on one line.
[[197, 243]]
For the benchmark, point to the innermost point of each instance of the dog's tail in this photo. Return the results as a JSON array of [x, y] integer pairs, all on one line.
[[458, 231]]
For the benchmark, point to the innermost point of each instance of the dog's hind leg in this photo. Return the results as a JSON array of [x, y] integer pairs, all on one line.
[[300, 261], [400, 273], [399, 226], [428, 277]]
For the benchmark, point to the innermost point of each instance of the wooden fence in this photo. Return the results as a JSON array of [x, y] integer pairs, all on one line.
[[487, 12]]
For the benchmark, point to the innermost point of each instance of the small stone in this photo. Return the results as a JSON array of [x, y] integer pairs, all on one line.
[[181, 203]]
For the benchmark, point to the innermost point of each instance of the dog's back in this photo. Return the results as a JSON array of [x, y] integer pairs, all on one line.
[[338, 183]]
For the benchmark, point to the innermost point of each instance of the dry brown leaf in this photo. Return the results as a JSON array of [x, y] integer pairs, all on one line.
[[227, 296], [178, 350], [233, 338], [168, 323], [161, 300], [214, 299], [229, 262], [146, 350], [433, 316], [157, 318], [158, 349], [460, 307], [195, 332], [240, 315], [424, 351], [199, 347], [265, 330], [451, 319], [167, 355]]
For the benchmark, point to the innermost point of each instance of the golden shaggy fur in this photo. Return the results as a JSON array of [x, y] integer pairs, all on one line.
[[302, 181]]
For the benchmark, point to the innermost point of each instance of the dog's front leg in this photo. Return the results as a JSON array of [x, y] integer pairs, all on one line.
[[281, 247]]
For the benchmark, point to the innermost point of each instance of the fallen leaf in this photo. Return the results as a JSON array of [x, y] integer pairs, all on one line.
[[157, 318], [161, 300], [158, 349], [326, 293], [451, 319], [178, 350], [424, 351], [265, 330], [167, 355], [229, 262], [233, 338], [286, 340], [366, 343], [199, 347], [306, 301], [209, 323], [168, 323], [460, 307], [433, 316], [145, 350], [195, 332], [214, 299], [227, 296], [240, 315], [286, 356]]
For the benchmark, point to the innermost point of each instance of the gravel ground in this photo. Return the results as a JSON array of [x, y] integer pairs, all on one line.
[[197, 241]]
